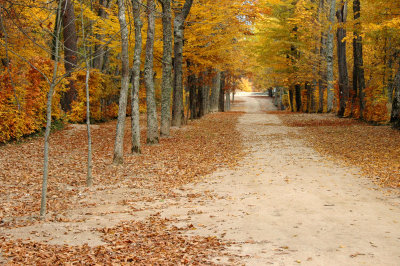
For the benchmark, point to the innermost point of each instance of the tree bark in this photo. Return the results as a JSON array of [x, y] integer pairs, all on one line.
[[395, 114], [322, 66], [341, 15], [308, 88], [152, 124], [198, 97], [291, 99], [179, 26], [101, 51], [205, 91], [167, 69], [70, 51], [281, 93], [329, 56], [221, 105], [191, 83], [89, 176], [358, 69], [119, 138], [389, 86], [135, 126], [297, 89], [228, 100], [215, 92], [52, 85]]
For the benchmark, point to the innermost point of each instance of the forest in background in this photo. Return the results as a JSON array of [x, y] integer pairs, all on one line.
[[331, 56], [320, 56], [88, 34], [91, 61]]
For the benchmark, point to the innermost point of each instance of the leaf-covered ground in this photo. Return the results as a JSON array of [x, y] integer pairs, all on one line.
[[375, 149], [189, 154], [153, 242]]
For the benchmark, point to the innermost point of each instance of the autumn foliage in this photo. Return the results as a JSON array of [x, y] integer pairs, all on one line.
[[23, 99], [103, 92], [290, 48]]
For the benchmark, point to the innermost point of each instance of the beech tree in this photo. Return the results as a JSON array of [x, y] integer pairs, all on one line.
[[329, 55], [135, 127], [205, 93], [167, 68], [52, 85], [152, 124], [101, 52], [89, 176], [70, 50], [322, 79], [179, 27], [341, 15], [395, 115], [119, 138], [221, 99], [358, 67], [216, 86]]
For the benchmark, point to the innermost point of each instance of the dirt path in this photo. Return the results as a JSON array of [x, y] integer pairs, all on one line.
[[285, 204]]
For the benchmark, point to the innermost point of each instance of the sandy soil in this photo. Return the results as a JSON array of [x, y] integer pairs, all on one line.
[[283, 205]]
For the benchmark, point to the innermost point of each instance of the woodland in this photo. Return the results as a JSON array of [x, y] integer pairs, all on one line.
[[138, 94]]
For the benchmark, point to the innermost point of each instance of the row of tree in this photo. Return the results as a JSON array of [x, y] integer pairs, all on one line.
[[82, 60], [295, 49], [28, 34]]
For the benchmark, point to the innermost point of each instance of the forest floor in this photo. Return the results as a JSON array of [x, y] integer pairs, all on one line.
[[252, 186]]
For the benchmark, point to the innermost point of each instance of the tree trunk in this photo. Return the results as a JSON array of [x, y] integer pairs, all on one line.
[[198, 98], [100, 50], [200, 95], [297, 89], [167, 69], [152, 124], [177, 105], [221, 105], [389, 93], [54, 37], [52, 85], [89, 177], [179, 26], [291, 100], [322, 66], [307, 87], [70, 51], [313, 88], [281, 94], [395, 114], [205, 91], [119, 138], [228, 100], [358, 70], [329, 55], [341, 15], [135, 126], [216, 86], [191, 83]]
